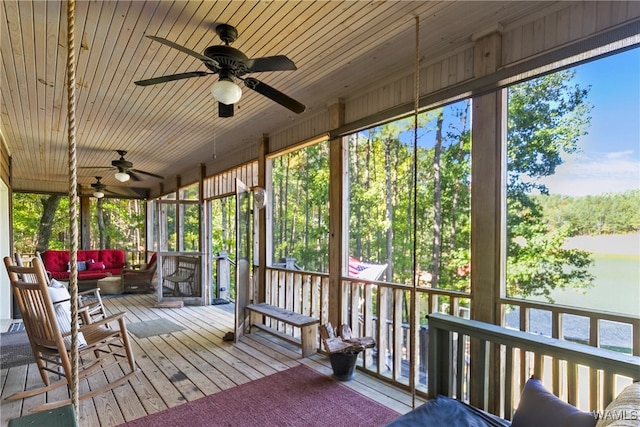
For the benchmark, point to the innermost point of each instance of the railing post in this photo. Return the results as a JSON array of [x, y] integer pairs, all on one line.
[[223, 276], [440, 361], [290, 263]]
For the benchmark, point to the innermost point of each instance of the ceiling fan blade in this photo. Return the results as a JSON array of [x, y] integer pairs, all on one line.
[[171, 77], [225, 110], [270, 63], [274, 94], [145, 173], [133, 175], [188, 51]]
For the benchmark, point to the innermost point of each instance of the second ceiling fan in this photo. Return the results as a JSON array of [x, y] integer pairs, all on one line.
[[125, 170], [230, 63]]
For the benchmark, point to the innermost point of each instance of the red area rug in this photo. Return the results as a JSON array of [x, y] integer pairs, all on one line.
[[296, 397]]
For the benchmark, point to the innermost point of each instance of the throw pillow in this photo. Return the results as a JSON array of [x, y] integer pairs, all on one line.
[[539, 407], [82, 266], [624, 410], [58, 284], [62, 305], [96, 266]]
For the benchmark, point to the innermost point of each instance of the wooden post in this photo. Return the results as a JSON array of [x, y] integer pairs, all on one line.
[[264, 225], [223, 278], [203, 248], [337, 195], [488, 218]]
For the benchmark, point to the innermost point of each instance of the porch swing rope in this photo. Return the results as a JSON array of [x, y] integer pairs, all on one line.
[[413, 314], [73, 200]]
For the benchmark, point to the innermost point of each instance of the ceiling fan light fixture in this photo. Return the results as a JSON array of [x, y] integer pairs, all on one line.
[[98, 194], [226, 91], [122, 176]]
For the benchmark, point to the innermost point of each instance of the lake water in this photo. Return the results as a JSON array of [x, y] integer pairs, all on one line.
[[617, 273]]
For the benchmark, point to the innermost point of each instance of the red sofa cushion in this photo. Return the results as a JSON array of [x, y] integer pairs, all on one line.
[[92, 275], [112, 258], [56, 262], [90, 255]]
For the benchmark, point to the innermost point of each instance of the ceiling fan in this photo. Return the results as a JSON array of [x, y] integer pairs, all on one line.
[[230, 63], [125, 169], [99, 189]]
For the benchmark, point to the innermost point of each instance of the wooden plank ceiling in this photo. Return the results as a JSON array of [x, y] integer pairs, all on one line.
[[339, 47]]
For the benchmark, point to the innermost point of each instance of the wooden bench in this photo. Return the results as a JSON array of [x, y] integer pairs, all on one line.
[[308, 325]]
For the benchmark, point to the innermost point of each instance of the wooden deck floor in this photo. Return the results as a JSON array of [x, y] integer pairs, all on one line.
[[184, 366]]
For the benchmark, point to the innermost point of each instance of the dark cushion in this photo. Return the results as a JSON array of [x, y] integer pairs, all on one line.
[[445, 411], [539, 407]]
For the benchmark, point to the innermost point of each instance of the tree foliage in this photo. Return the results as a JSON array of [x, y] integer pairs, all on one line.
[[611, 213], [300, 203], [546, 118], [41, 222]]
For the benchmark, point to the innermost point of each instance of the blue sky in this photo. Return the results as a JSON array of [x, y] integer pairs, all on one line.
[[609, 160]]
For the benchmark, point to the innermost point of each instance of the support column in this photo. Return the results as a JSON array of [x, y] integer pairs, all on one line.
[[338, 192], [488, 192], [264, 243]]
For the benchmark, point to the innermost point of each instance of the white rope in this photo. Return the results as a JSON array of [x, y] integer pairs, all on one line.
[[73, 200]]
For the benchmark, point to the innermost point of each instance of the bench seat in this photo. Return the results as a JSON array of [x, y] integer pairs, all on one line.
[[308, 325]]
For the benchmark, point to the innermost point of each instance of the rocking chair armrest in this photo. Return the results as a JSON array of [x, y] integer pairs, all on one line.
[[89, 291], [102, 322], [80, 309]]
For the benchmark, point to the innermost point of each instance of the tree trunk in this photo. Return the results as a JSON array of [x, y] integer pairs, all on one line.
[[101, 224], [389, 208], [49, 207], [437, 209], [356, 209], [456, 189]]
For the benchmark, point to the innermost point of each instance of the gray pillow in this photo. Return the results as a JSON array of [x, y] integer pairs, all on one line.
[[539, 407]]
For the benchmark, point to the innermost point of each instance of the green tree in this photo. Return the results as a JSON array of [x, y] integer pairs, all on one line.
[[546, 118]]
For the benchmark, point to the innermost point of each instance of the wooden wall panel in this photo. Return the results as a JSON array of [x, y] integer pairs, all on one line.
[[568, 23], [310, 128], [4, 162], [224, 183], [435, 75]]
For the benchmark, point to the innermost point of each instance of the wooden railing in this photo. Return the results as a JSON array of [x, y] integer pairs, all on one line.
[[586, 397], [518, 352], [558, 314], [365, 303], [299, 291]]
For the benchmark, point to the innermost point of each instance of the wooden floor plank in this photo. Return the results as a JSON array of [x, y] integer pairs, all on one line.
[[182, 366]]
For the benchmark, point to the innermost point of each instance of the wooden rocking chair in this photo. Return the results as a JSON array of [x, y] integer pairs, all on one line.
[[47, 320]]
